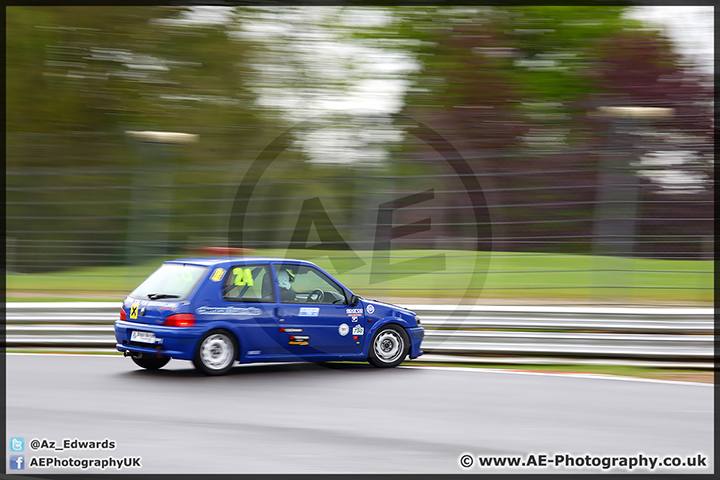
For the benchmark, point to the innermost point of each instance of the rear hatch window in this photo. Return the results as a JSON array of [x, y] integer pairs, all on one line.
[[172, 281]]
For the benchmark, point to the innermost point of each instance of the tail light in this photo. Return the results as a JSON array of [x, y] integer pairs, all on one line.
[[180, 320], [123, 315]]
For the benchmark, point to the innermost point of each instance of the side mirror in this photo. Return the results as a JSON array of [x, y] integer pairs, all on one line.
[[354, 300]]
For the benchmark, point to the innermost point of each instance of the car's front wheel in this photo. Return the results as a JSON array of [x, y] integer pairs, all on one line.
[[389, 347], [216, 353], [151, 362]]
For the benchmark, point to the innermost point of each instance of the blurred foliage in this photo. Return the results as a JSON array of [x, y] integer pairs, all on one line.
[[77, 79], [511, 88], [515, 90], [107, 69]]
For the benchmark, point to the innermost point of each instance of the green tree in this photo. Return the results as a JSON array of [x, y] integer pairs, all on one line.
[[77, 79], [515, 88]]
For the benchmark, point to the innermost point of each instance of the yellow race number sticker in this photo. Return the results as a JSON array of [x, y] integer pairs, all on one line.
[[134, 310], [243, 276]]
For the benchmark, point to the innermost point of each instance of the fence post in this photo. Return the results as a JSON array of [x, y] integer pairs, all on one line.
[[616, 210], [146, 238]]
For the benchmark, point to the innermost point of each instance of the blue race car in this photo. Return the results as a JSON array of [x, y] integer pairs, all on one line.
[[215, 311]]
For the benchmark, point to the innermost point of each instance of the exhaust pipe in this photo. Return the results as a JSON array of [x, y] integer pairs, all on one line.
[[128, 353]]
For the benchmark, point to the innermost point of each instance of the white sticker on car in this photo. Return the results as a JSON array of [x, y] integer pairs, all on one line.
[[343, 329], [370, 309], [228, 311], [354, 312], [156, 303], [145, 337], [358, 330], [309, 311]]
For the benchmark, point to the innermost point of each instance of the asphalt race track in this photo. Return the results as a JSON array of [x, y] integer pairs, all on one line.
[[307, 418]]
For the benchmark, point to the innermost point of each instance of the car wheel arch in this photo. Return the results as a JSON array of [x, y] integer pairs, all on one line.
[[378, 324]]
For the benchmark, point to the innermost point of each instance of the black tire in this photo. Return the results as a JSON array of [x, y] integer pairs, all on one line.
[[150, 361], [389, 347], [216, 353]]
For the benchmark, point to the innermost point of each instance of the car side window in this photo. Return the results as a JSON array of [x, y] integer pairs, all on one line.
[[248, 283], [304, 284]]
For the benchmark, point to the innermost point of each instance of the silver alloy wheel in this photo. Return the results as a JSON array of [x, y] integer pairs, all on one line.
[[388, 346], [216, 351]]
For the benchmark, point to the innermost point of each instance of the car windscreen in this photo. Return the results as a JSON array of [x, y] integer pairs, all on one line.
[[172, 281]]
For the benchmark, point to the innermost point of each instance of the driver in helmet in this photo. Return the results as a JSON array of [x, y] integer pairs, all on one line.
[[285, 279]]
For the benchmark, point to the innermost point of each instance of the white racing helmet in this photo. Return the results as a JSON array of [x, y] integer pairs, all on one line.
[[285, 278]]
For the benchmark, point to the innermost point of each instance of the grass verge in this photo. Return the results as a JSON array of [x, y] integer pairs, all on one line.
[[431, 274]]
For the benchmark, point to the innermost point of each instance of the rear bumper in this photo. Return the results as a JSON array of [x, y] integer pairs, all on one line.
[[416, 335], [175, 342]]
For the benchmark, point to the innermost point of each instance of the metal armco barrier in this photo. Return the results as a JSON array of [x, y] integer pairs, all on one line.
[[657, 334]]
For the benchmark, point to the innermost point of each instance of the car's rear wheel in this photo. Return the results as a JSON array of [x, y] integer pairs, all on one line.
[[150, 361], [389, 347], [216, 353]]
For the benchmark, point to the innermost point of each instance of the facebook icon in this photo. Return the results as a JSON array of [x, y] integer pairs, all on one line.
[[17, 462]]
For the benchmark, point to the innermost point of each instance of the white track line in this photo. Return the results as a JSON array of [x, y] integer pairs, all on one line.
[[595, 376]]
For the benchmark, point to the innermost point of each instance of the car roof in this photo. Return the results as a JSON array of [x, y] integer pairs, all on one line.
[[208, 261]]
